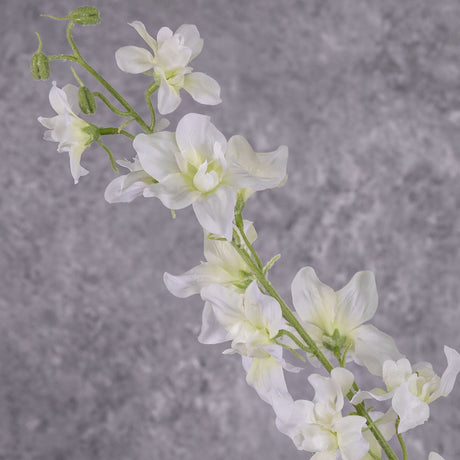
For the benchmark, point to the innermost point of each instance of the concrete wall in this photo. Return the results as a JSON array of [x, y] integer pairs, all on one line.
[[98, 360]]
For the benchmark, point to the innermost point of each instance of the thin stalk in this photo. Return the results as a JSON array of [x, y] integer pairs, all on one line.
[[121, 113], [106, 131], [401, 440], [110, 154], [148, 97], [104, 82], [240, 226]]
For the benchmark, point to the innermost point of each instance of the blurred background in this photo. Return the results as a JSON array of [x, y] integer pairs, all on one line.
[[98, 360]]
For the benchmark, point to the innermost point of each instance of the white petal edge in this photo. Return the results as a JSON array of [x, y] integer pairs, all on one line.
[[132, 59], [203, 88]]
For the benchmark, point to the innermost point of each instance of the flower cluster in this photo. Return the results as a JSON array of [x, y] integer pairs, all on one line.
[[195, 165]]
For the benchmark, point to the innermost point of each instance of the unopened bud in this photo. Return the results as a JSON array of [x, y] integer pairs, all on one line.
[[40, 66], [86, 100], [85, 15]]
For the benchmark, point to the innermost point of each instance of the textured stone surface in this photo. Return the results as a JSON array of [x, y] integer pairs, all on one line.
[[98, 360]]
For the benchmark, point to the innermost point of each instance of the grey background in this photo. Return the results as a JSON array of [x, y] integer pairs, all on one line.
[[98, 360]]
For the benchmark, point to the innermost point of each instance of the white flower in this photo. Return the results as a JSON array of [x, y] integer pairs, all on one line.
[[251, 321], [196, 166], [335, 318], [72, 133], [172, 52], [223, 266], [318, 425], [413, 389], [127, 187]]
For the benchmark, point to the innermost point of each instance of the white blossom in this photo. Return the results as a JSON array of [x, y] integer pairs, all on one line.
[[318, 426], [251, 321], [223, 266], [335, 318], [172, 53], [73, 133], [197, 166], [411, 390]]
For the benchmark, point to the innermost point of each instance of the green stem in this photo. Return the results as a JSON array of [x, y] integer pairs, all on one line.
[[240, 225], [121, 113], [401, 440], [112, 160], [106, 131], [294, 339], [104, 82], [62, 57], [148, 97]]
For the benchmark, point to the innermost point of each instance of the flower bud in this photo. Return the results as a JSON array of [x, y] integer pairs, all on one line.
[[85, 15], [39, 66], [86, 100]]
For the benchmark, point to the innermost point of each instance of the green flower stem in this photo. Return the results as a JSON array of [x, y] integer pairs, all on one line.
[[294, 339], [290, 317], [62, 57], [121, 113], [148, 97], [78, 58], [401, 440], [106, 131], [112, 160], [240, 226]]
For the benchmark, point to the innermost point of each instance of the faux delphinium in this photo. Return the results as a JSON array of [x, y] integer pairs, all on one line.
[[194, 164]]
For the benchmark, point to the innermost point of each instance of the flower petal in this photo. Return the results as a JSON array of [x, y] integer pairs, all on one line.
[[196, 134], [372, 348], [435, 456], [173, 191], [168, 98], [212, 331], [58, 100], [157, 153], [118, 192], [412, 411], [141, 30], [313, 300], [449, 375], [263, 311], [132, 59], [227, 304], [191, 38], [351, 442], [266, 376], [215, 211], [192, 281], [203, 88], [71, 92], [357, 300], [258, 171]]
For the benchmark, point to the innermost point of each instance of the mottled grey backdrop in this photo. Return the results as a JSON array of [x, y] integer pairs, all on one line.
[[98, 360]]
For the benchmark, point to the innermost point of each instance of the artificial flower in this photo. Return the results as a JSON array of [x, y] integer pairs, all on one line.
[[127, 187], [318, 426], [412, 389], [223, 266], [195, 166], [335, 318], [73, 133], [251, 321], [172, 53]]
